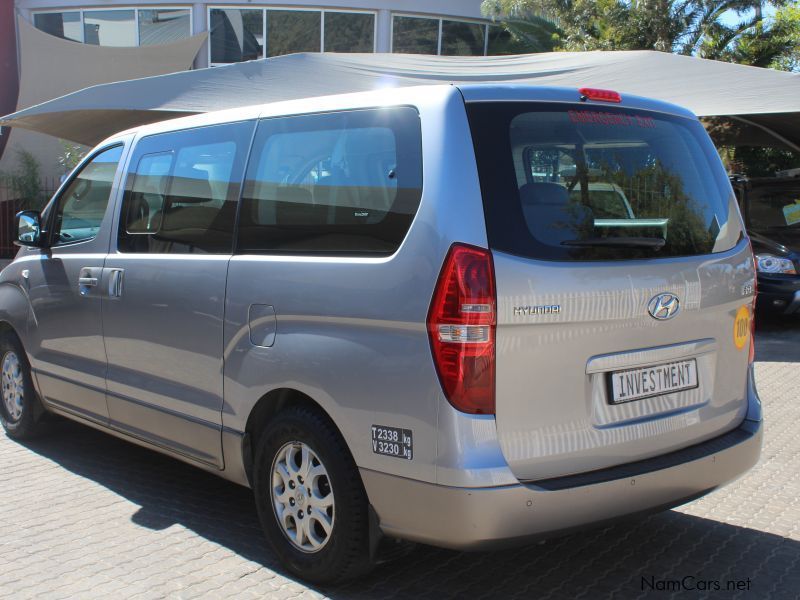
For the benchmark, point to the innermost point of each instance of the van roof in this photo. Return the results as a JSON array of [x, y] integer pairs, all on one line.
[[412, 95]]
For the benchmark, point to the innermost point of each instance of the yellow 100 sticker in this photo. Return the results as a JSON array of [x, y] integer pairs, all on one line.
[[741, 327]]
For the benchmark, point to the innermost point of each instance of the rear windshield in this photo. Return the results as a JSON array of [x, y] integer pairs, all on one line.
[[568, 182]]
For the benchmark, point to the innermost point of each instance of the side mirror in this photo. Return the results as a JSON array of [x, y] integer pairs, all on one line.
[[28, 228]]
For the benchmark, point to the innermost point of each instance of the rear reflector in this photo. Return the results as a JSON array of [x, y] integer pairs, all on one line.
[[462, 320], [600, 95]]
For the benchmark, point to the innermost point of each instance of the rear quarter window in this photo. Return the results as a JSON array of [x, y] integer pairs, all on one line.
[[582, 182], [339, 183]]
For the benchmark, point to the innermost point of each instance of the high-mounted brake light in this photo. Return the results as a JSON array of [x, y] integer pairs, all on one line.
[[462, 320], [600, 95]]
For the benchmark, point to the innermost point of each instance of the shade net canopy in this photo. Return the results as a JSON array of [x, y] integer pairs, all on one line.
[[764, 97]]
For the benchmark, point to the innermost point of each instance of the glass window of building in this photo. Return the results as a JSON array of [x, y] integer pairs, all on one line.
[[110, 27], [66, 25], [163, 26], [501, 42], [118, 27], [349, 32], [290, 31], [415, 35], [460, 38], [236, 34]]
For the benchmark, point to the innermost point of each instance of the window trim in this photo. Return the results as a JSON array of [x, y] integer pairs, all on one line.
[[134, 8], [265, 8], [51, 217], [441, 19]]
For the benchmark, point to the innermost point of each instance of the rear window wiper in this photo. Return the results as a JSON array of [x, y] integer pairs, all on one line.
[[619, 242]]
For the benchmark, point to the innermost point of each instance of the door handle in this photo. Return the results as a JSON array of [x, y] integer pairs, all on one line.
[[115, 283], [87, 279]]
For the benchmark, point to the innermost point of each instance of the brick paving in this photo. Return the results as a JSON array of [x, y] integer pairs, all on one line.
[[84, 515]]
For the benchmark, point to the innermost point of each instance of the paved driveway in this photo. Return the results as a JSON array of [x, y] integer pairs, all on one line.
[[84, 515]]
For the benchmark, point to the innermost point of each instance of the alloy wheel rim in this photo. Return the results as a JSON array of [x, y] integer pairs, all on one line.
[[13, 386], [302, 497]]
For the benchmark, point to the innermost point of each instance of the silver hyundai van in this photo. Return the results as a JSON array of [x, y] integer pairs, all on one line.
[[467, 316]]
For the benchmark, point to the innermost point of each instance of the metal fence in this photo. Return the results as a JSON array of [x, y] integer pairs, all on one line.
[[11, 203]]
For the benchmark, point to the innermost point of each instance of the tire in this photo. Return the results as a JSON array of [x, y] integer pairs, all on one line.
[[21, 410], [331, 555]]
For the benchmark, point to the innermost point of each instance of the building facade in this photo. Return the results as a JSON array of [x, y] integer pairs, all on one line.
[[248, 30]]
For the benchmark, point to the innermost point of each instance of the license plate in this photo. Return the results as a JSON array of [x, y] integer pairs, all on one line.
[[646, 382]]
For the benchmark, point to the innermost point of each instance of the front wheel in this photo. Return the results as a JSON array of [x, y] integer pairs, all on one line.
[[310, 498], [21, 411]]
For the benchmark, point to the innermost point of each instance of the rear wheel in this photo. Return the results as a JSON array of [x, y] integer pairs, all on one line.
[[310, 498], [21, 410]]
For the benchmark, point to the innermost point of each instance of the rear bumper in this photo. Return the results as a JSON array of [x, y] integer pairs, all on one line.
[[483, 518]]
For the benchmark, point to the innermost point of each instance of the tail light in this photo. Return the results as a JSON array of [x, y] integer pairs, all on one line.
[[462, 320], [752, 355]]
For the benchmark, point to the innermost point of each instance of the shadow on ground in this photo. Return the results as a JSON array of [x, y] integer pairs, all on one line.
[[777, 338], [620, 561]]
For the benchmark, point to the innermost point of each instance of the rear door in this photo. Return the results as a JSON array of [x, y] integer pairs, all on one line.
[[164, 311], [624, 283]]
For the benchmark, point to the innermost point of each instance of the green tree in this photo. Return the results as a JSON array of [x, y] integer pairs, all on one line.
[[693, 27], [25, 182], [771, 43]]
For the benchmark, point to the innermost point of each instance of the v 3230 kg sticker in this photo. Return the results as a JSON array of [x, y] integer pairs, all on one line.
[[392, 441]]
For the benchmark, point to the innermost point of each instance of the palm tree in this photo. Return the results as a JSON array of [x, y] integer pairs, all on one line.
[[693, 27]]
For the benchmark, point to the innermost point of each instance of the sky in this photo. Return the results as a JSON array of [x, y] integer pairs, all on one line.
[[731, 18]]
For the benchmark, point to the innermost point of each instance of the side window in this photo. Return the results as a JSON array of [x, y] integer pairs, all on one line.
[[343, 183], [182, 191], [82, 205]]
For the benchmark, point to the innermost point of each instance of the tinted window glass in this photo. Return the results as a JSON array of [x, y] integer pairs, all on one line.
[[82, 205], [290, 31], [236, 35], [746, 149], [182, 191], [110, 27], [597, 183], [66, 25], [462, 39], [347, 183], [349, 32], [414, 35], [774, 206], [163, 26], [149, 190]]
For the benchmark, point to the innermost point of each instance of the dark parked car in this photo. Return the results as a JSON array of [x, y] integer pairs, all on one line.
[[771, 210]]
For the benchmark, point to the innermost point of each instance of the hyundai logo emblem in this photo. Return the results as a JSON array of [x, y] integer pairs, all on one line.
[[664, 306]]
